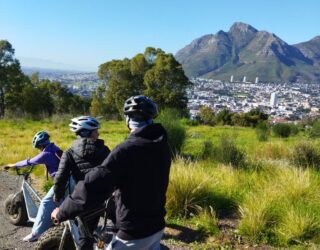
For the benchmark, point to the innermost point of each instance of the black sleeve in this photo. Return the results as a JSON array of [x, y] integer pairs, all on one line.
[[63, 174], [97, 186], [107, 150]]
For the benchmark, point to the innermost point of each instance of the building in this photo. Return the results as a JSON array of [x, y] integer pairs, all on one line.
[[273, 100]]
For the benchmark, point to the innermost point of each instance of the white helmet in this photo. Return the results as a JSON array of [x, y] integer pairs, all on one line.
[[83, 122]]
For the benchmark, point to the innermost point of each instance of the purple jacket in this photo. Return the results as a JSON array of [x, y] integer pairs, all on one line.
[[48, 157]]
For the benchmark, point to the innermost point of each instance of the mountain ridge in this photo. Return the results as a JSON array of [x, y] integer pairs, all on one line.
[[246, 51]]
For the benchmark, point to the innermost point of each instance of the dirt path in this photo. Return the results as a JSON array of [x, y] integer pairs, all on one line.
[[10, 235]]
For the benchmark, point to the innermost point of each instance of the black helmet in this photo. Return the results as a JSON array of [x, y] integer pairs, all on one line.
[[140, 107]]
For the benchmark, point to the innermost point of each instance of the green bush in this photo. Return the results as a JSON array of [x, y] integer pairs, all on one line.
[[281, 130], [305, 155], [294, 129], [206, 116], [263, 131], [170, 119], [315, 130], [228, 153], [207, 150], [189, 122]]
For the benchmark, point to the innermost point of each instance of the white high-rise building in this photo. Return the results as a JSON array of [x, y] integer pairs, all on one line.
[[273, 100], [244, 79], [257, 80], [231, 78]]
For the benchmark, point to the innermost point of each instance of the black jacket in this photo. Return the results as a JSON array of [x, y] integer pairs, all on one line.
[[79, 159], [139, 170]]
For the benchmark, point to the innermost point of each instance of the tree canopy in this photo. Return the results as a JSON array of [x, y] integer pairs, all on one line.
[[23, 95], [154, 73]]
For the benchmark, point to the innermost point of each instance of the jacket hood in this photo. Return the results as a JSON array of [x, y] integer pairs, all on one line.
[[88, 148], [150, 134]]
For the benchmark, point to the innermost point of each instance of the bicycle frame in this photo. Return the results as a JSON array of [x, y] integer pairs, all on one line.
[[81, 221], [29, 194], [73, 229]]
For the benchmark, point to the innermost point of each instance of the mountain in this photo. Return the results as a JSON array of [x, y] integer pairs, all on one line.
[[311, 49], [245, 51]]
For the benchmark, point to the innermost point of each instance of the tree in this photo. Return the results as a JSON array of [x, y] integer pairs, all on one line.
[[206, 115], [154, 73], [166, 83], [10, 73], [36, 101], [224, 117], [97, 104]]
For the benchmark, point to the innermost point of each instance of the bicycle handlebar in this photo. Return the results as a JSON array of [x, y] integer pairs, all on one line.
[[26, 173]]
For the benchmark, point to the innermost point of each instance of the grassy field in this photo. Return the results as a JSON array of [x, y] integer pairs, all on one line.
[[269, 202]]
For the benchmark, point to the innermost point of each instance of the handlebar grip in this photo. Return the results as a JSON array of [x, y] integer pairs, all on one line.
[[55, 222]]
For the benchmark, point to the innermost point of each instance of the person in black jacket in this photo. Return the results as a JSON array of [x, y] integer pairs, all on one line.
[[138, 171], [86, 152]]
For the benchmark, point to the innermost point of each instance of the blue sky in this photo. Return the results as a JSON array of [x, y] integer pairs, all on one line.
[[83, 34]]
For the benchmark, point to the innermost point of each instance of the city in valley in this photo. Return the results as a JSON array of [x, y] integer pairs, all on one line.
[[282, 101]]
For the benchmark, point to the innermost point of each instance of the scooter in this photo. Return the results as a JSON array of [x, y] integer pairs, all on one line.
[[22, 206]]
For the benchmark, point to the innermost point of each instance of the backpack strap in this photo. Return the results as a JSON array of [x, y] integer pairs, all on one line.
[[58, 154]]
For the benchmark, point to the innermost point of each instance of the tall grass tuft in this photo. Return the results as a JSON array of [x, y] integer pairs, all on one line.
[[170, 119], [305, 155], [259, 213], [298, 224], [206, 221], [283, 208], [188, 189], [274, 151]]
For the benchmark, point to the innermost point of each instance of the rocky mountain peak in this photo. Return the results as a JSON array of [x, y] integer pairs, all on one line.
[[242, 27]]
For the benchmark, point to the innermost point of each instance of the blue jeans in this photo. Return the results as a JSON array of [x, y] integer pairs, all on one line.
[[47, 205], [43, 220]]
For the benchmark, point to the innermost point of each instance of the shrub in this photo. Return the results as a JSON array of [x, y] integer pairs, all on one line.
[[206, 116], [281, 130], [189, 122], [224, 117], [170, 119], [315, 130], [263, 131], [207, 150], [305, 155], [227, 152], [294, 129]]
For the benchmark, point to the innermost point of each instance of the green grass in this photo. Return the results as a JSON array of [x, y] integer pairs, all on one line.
[[275, 204]]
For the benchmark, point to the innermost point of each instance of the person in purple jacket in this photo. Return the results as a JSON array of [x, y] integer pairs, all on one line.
[[49, 156]]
